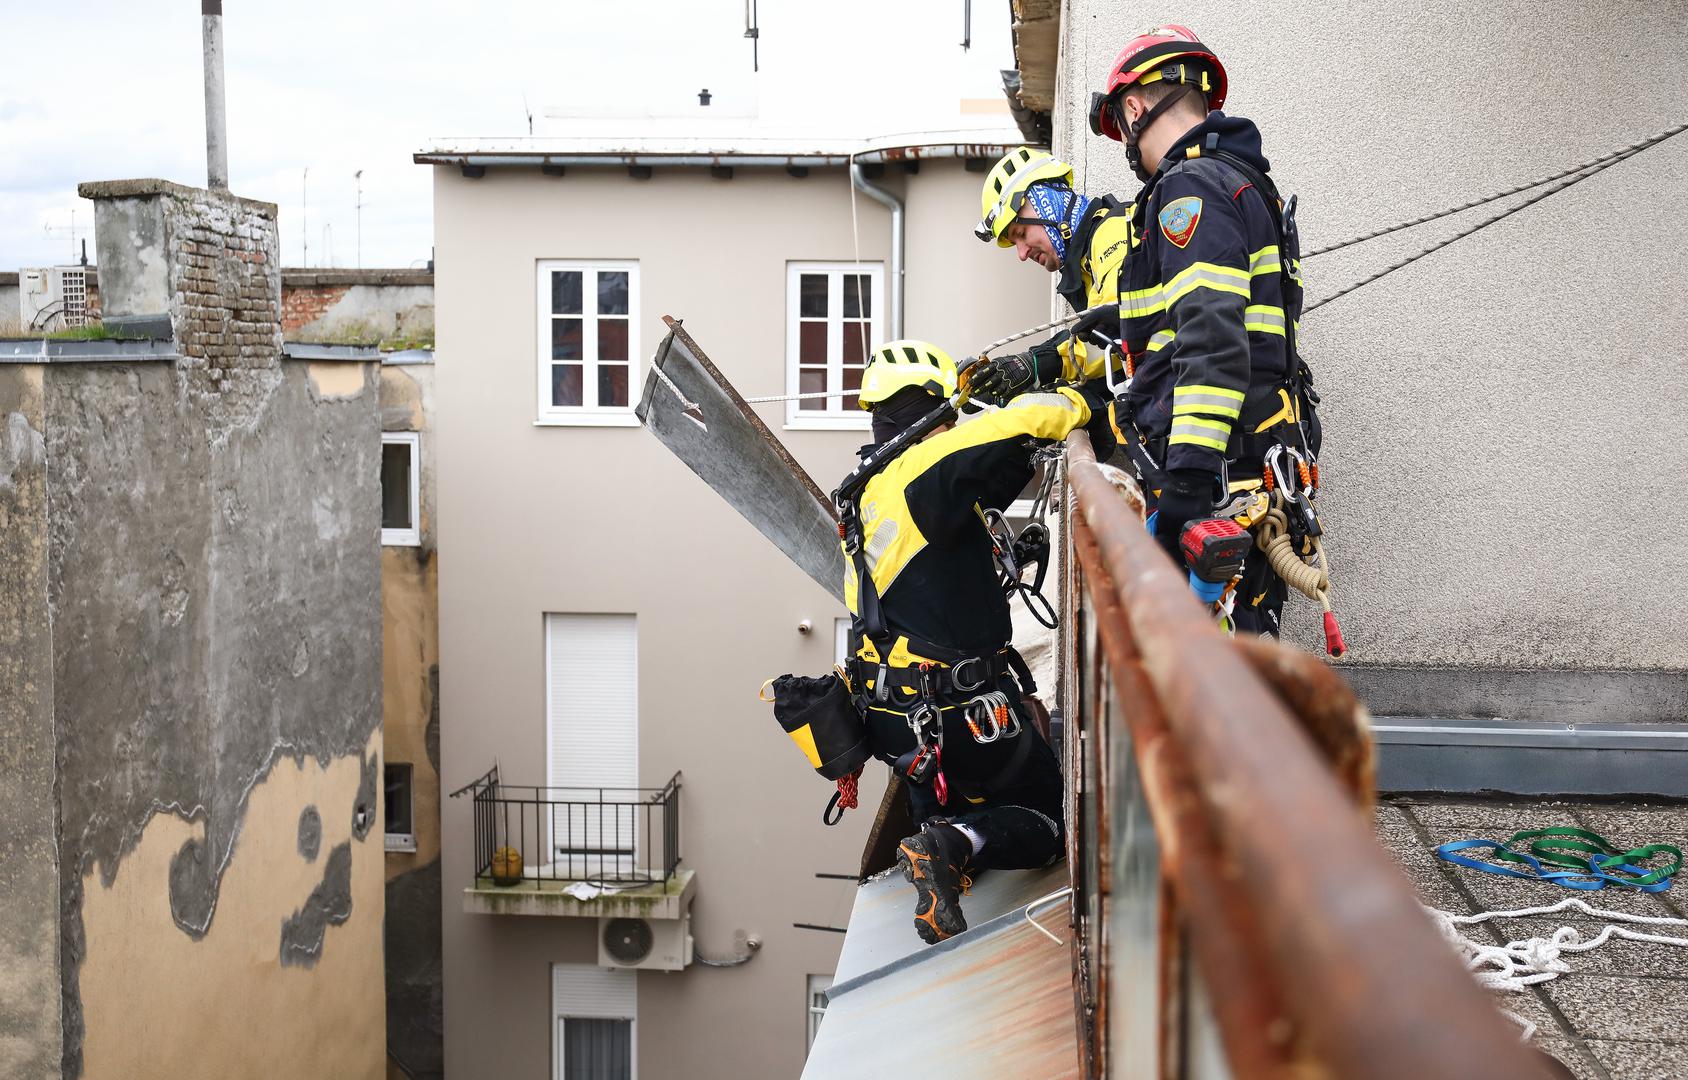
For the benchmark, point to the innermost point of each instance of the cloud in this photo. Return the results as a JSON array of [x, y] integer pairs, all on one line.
[[338, 87]]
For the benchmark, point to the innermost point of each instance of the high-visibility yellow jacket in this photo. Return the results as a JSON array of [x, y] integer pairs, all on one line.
[[923, 531], [1090, 276]]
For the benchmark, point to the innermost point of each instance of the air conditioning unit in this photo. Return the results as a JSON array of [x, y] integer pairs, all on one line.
[[52, 298], [648, 944]]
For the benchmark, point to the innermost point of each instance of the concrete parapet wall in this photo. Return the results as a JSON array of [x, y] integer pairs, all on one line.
[[195, 581]]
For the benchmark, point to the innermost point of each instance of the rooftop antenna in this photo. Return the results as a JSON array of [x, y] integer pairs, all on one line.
[[527, 110], [73, 228], [966, 25], [216, 121], [754, 33], [304, 210], [358, 176]]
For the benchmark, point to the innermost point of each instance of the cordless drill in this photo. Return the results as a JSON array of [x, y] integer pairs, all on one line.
[[1214, 549]]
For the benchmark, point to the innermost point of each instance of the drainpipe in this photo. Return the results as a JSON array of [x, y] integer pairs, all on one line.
[[878, 194]]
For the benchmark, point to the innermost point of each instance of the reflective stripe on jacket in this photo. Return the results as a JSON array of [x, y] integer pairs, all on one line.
[[1201, 301]]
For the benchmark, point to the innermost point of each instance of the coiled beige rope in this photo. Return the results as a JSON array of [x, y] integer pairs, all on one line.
[[1272, 537]]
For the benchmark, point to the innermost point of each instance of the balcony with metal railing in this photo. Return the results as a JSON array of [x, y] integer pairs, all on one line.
[[575, 851]]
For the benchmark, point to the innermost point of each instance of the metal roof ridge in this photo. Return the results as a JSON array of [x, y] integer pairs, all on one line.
[[972, 934]]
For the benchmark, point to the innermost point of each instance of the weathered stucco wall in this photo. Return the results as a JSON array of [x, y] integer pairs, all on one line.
[[1501, 417], [30, 1044], [255, 1012], [212, 581], [411, 723], [360, 305]]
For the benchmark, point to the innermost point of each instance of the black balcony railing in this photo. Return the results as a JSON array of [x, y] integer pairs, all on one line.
[[541, 837]]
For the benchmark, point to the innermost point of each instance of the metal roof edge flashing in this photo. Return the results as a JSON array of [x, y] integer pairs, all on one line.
[[971, 935], [303, 350], [73, 351]]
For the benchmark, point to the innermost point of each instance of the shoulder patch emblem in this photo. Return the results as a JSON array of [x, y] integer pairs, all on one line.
[[1178, 219]]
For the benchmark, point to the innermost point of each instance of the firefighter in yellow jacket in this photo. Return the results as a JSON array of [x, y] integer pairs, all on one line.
[[1029, 204], [940, 687]]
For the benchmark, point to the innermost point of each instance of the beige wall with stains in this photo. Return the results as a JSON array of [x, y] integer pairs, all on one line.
[[576, 519], [225, 1006], [410, 621]]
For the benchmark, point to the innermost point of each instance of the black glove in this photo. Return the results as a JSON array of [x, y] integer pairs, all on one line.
[[1186, 496], [1000, 378]]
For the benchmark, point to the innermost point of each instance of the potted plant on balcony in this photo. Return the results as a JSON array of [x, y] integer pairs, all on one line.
[[506, 867]]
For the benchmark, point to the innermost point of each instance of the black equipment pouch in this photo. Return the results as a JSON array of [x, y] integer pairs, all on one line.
[[822, 719]]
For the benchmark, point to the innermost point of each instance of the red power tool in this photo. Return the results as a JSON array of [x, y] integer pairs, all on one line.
[[1214, 548]]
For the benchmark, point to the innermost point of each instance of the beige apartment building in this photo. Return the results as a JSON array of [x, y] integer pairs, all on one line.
[[605, 620]]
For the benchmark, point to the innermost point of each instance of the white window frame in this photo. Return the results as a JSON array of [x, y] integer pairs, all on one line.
[[836, 417], [813, 1014], [585, 415], [412, 536]]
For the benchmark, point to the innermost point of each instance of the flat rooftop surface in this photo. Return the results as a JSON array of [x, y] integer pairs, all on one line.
[[1621, 1012]]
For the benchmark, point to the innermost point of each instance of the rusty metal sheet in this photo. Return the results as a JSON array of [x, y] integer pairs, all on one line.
[[1294, 879], [995, 1001], [719, 437], [881, 928]]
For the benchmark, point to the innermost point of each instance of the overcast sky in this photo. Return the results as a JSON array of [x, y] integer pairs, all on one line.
[[103, 89]]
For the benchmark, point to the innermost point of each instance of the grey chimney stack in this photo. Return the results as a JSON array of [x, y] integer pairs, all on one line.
[[216, 120]]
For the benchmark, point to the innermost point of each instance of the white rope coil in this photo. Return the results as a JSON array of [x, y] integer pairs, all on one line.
[[1518, 964]]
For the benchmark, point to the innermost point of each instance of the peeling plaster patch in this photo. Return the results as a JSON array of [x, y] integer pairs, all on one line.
[[329, 903], [193, 887], [173, 594], [22, 449], [363, 811], [310, 833], [141, 976], [336, 380]]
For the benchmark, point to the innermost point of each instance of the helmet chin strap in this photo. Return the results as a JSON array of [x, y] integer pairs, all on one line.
[[1133, 153]]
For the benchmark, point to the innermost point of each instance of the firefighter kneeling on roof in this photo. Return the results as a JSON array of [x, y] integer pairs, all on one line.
[[938, 693], [1217, 411]]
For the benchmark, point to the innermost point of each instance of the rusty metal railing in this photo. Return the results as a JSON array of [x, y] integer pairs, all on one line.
[[1234, 915]]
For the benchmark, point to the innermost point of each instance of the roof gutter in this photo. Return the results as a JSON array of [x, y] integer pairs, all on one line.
[[858, 177], [708, 158]]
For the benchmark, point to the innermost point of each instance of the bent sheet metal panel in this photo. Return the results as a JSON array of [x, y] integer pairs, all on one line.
[[737, 456], [995, 1001]]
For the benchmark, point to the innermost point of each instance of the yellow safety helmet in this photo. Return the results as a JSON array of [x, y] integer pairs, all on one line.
[[1006, 186], [897, 364]]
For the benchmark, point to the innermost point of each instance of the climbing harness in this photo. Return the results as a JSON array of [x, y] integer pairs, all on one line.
[[1595, 862]]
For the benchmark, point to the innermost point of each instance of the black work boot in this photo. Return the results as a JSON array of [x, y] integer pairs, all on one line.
[[935, 860]]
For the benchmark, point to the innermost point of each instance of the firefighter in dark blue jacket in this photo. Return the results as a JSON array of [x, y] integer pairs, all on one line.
[[1209, 295]]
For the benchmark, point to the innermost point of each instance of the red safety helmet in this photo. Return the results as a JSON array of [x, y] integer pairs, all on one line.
[[1154, 57]]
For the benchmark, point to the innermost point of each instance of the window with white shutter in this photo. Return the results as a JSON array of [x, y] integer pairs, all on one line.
[[592, 745], [593, 1011]]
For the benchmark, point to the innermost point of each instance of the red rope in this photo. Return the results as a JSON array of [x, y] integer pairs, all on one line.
[[847, 788]]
